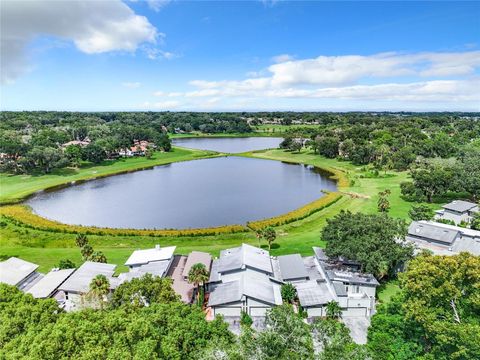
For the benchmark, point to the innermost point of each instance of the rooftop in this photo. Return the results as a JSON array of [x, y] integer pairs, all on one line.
[[79, 281], [292, 267], [242, 256], [156, 268], [432, 231], [49, 283], [140, 257], [14, 270], [197, 257], [460, 206], [313, 293]]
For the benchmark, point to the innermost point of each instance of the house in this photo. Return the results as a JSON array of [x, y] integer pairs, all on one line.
[[48, 285], [19, 273], [443, 239], [156, 261], [138, 149], [242, 279], [292, 268], [78, 283], [336, 280], [458, 211], [196, 257], [81, 143]]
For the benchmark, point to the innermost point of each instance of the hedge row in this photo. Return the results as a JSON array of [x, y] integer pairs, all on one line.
[[23, 216], [297, 214]]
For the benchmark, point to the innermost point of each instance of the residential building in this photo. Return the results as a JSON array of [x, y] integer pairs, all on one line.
[[292, 268], [78, 284], [443, 239], [48, 285], [242, 279], [458, 211], [19, 273], [156, 261]]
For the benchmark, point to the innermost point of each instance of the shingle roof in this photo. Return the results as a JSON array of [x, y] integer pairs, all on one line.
[[320, 254], [257, 287], [432, 232], [245, 255], [79, 281], [313, 293], [14, 270], [339, 288], [156, 268], [49, 283], [460, 206], [292, 267], [139, 257], [197, 257]]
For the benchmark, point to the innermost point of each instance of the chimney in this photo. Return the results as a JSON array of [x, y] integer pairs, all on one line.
[[157, 247]]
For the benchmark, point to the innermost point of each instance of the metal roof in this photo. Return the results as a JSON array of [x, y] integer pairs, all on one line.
[[432, 232], [14, 270], [320, 254], [214, 274], [140, 257], [345, 276], [49, 283], [79, 281], [464, 231], [313, 293], [197, 257], [460, 206], [339, 288], [245, 255], [292, 267], [156, 268]]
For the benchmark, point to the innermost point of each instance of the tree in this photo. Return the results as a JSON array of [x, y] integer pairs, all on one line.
[[163, 142], [94, 153], [289, 293], [433, 180], [383, 204], [335, 341], [86, 251], [74, 154], [99, 289], [197, 275], [421, 212], [475, 222], [81, 240], [269, 235], [372, 240], [333, 310], [44, 159], [143, 291], [98, 256], [245, 319], [66, 264], [327, 146]]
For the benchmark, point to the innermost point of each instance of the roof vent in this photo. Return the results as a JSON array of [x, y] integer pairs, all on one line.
[[157, 247]]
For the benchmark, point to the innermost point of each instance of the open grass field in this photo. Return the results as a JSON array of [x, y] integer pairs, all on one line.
[[17, 187], [360, 193]]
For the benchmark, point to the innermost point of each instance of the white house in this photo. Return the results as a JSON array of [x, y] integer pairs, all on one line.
[[156, 261], [48, 285], [458, 211], [19, 273]]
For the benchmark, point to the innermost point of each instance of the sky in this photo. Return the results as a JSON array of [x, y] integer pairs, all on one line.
[[161, 55]]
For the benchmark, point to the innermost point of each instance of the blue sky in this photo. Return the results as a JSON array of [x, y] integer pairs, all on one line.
[[234, 56]]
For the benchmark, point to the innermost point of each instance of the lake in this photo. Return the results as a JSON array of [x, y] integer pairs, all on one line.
[[229, 145], [191, 194]]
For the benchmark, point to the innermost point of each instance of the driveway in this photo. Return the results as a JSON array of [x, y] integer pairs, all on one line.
[[358, 328]]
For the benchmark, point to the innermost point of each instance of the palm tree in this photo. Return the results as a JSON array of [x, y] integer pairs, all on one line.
[[333, 310], [197, 275], [99, 289], [98, 256], [270, 235], [81, 240]]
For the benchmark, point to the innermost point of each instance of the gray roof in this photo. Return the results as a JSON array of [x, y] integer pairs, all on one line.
[[351, 277], [79, 281], [145, 256], [49, 283], [313, 293], [460, 206], [320, 254], [432, 232], [196, 257], [156, 268], [14, 270], [242, 256], [214, 274], [339, 288], [292, 267], [257, 287]]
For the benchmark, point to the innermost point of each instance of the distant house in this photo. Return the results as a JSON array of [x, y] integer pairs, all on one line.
[[443, 239], [48, 285], [81, 143], [156, 261], [139, 148], [242, 279], [458, 211], [78, 284], [19, 273]]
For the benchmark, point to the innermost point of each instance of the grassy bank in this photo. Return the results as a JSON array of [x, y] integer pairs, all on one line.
[[14, 188]]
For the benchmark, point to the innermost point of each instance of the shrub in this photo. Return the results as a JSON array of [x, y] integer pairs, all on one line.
[[245, 319]]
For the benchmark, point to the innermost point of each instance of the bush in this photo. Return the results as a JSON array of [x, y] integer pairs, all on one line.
[[245, 319]]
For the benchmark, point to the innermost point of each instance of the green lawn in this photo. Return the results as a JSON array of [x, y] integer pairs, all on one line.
[[387, 290], [16, 187], [47, 248]]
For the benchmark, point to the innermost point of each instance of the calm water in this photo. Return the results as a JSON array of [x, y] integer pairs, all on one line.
[[200, 193], [229, 145]]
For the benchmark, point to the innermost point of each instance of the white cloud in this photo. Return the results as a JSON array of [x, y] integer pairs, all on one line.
[[161, 105], [157, 5], [93, 26], [282, 58], [132, 85]]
